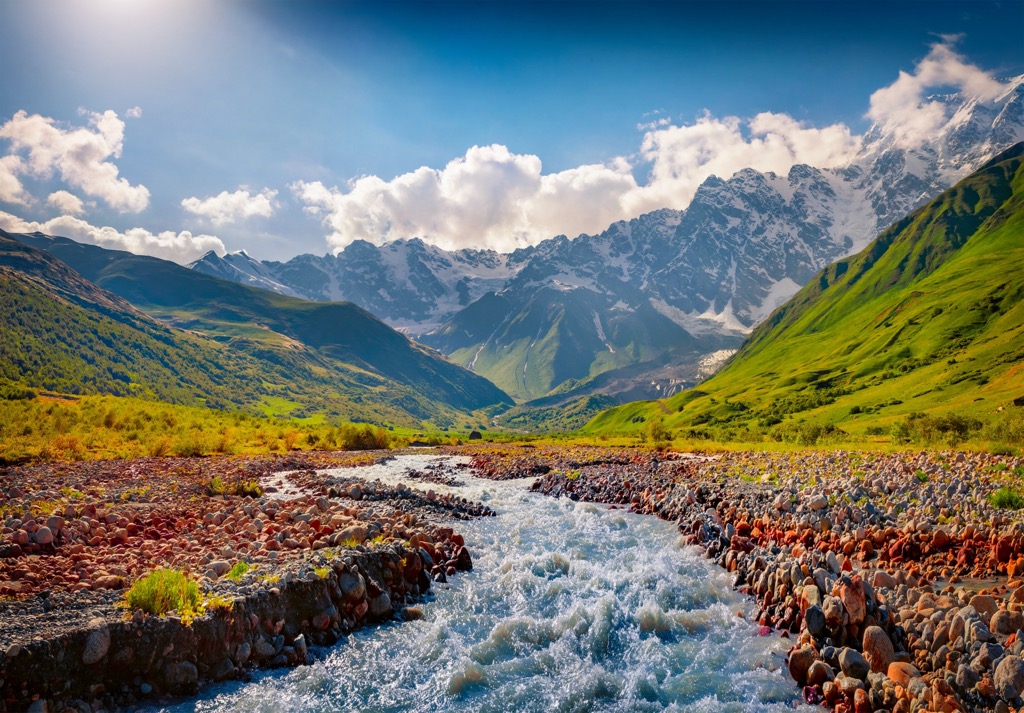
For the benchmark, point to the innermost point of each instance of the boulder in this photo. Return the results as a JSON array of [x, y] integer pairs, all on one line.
[[800, 662], [878, 649], [97, 642], [853, 664], [1009, 677]]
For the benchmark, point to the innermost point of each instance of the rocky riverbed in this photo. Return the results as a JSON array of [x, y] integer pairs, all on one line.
[[320, 555], [896, 578]]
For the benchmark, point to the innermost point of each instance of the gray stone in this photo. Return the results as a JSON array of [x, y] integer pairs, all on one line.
[[1009, 677], [854, 664], [97, 643], [814, 619]]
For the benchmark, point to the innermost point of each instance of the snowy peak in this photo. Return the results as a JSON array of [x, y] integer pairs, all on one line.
[[240, 267]]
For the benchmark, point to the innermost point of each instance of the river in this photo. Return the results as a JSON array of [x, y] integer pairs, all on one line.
[[570, 607]]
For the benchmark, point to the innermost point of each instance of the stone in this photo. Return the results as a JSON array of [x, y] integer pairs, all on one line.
[[878, 649], [853, 664], [883, 579], [182, 676], [263, 649], [819, 673], [380, 605], [43, 536], [1009, 677], [985, 605], [1005, 622], [800, 662], [814, 620], [242, 653], [902, 673], [851, 593], [97, 642], [220, 567]]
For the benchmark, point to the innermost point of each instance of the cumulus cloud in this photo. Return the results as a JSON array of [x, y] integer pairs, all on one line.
[[226, 208], [489, 198], [134, 113], [682, 157], [66, 203], [903, 108], [11, 190], [80, 155], [180, 247]]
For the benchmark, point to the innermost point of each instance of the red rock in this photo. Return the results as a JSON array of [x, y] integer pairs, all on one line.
[[901, 673]]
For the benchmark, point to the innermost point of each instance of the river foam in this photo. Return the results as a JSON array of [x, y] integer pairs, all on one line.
[[570, 607]]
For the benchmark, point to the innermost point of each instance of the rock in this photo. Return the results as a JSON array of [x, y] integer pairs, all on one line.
[[222, 670], [97, 642], [263, 649], [800, 662], [901, 672], [853, 664], [242, 653], [832, 607], [878, 649], [181, 677], [43, 536], [380, 605], [882, 579], [220, 567], [817, 502], [1005, 622], [851, 594], [985, 605], [940, 540], [818, 673], [1009, 677], [814, 620], [353, 587]]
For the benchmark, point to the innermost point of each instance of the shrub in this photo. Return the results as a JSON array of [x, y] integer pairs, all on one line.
[[238, 571], [166, 590], [362, 438], [216, 486], [1007, 499], [248, 488]]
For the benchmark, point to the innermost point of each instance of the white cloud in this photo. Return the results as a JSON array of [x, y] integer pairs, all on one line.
[[496, 199], [66, 203], [683, 157], [11, 190], [903, 108], [134, 113], [489, 198], [181, 247], [225, 208], [80, 155]]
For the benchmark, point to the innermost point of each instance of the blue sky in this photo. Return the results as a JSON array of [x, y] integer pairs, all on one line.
[[277, 107]]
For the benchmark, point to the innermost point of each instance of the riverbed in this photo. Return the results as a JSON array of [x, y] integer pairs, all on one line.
[[570, 607]]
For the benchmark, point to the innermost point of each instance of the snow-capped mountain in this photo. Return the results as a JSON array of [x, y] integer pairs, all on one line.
[[664, 288], [412, 285]]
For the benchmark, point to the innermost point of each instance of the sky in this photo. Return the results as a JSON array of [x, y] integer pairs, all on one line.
[[173, 127]]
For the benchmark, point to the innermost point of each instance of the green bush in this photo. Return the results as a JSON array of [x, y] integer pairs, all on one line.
[[238, 571], [363, 438], [1007, 499], [166, 590]]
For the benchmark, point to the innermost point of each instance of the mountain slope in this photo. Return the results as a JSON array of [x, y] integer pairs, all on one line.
[[929, 317], [333, 355]]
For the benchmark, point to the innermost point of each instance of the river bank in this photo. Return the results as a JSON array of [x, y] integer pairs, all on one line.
[[320, 557], [895, 576]]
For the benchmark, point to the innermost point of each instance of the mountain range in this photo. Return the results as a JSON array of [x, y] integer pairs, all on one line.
[[634, 312], [83, 319], [927, 319]]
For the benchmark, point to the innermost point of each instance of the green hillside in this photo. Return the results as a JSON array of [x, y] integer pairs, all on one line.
[[243, 347], [531, 349], [928, 319]]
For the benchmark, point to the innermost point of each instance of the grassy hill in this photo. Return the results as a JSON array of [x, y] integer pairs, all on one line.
[[928, 319], [239, 346]]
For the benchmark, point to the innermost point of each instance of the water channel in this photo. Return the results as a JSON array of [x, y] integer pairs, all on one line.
[[570, 607]]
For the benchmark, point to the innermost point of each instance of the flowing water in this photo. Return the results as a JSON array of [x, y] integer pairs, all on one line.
[[570, 607]]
